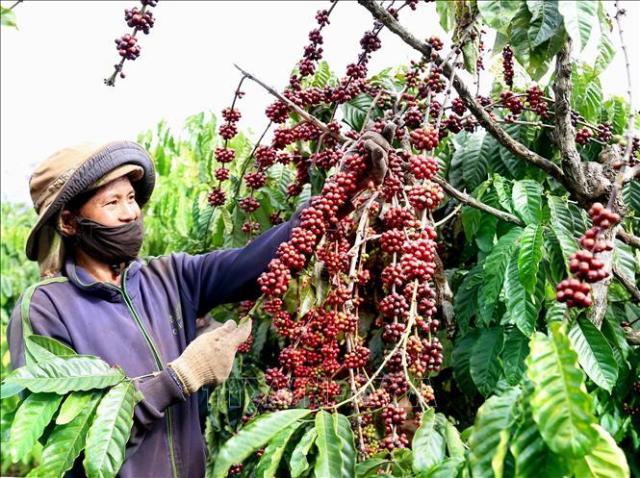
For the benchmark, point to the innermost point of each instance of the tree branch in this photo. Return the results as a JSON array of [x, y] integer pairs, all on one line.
[[293, 106], [478, 111], [471, 201], [565, 134], [629, 239], [630, 286]]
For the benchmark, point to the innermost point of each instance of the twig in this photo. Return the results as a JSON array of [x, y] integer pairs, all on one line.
[[629, 134], [446, 219], [517, 148], [15, 4], [296, 108], [471, 201], [627, 238], [630, 286], [248, 160]]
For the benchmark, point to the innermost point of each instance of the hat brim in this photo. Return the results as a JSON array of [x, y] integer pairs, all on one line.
[[100, 165]]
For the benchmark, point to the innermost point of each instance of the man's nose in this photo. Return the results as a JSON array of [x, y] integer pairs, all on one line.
[[129, 212]]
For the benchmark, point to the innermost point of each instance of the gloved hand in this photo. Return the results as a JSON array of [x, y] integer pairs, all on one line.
[[209, 358], [378, 146]]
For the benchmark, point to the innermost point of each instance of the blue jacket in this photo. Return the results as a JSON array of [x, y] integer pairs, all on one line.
[[141, 327]]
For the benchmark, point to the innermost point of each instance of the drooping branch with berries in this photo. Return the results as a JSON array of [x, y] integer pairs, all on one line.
[[501, 234], [139, 20]]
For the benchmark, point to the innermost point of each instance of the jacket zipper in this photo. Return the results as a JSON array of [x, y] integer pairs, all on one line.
[[156, 356]]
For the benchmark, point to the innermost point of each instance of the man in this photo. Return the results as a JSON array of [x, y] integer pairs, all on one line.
[[100, 299]]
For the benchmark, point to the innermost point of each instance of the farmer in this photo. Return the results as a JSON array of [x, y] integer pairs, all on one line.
[[99, 298]]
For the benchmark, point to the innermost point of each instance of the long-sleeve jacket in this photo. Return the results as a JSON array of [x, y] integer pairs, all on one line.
[[143, 325]]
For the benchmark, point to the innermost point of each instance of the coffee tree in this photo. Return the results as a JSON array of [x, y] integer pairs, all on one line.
[[473, 314]]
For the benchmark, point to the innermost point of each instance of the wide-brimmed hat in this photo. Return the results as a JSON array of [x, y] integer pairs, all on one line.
[[75, 170]]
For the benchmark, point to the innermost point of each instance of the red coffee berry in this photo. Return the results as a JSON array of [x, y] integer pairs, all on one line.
[[217, 197], [424, 138]]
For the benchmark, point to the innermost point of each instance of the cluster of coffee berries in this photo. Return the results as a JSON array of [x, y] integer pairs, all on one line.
[[127, 46], [507, 65], [605, 132], [537, 102], [512, 102], [139, 19], [224, 154], [584, 264], [583, 136], [425, 138]]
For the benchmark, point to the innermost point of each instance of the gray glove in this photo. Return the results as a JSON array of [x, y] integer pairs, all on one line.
[[209, 358], [378, 146]]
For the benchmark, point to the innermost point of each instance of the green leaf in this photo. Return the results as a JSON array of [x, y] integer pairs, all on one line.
[[498, 13], [560, 404], [625, 260], [348, 449], [484, 363], [307, 299], [533, 459], [530, 256], [545, 20], [29, 423], [445, 14], [9, 390], [428, 445], [594, 354], [471, 160], [631, 195], [52, 345], [65, 375], [606, 52], [494, 416], [8, 18], [527, 200], [455, 446], [355, 111], [252, 437], [523, 308], [514, 353], [515, 165], [270, 460], [369, 467], [72, 405], [66, 442], [495, 267], [587, 95], [336, 455], [579, 17], [298, 463], [449, 468], [466, 298], [565, 224], [604, 460], [461, 357], [110, 431]]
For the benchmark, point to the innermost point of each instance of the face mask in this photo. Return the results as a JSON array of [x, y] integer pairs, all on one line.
[[111, 245]]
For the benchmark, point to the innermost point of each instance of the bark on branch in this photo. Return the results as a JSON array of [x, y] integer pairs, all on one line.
[[471, 201], [586, 180], [476, 109], [629, 239], [303, 114]]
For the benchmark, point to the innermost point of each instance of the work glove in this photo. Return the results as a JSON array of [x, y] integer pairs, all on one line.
[[209, 358], [377, 146]]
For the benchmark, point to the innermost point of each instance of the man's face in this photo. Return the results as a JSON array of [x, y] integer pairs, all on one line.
[[113, 204]]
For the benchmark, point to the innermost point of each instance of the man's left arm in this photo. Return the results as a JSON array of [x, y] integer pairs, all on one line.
[[230, 275]]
